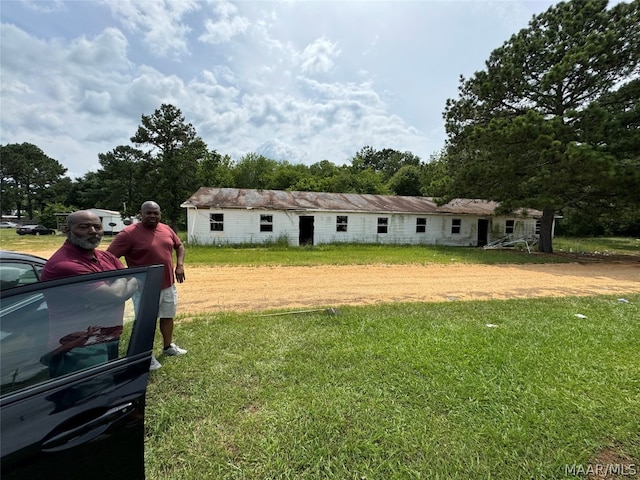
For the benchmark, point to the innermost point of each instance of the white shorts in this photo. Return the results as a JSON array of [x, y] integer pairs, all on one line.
[[168, 302]]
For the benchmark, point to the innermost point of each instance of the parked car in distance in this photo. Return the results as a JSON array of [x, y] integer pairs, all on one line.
[[17, 269], [74, 366], [8, 225], [34, 230]]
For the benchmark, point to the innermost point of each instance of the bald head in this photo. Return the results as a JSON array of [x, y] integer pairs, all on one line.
[[149, 204], [150, 214], [81, 216], [84, 229]]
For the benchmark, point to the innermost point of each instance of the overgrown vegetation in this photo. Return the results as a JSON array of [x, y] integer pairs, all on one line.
[[602, 246]]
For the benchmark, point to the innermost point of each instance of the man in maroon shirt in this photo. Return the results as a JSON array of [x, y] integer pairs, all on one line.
[[84, 326], [151, 242]]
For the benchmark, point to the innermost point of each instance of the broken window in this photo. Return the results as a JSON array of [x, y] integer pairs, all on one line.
[[216, 222], [456, 223], [266, 223], [383, 223], [508, 227], [341, 223], [421, 225]]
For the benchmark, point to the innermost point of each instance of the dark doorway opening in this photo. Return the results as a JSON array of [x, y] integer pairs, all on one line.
[[306, 230], [483, 230]]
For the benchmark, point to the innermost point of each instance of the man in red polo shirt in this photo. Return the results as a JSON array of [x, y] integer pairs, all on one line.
[[151, 242], [84, 327]]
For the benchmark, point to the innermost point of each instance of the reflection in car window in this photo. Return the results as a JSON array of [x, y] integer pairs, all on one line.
[[17, 274], [62, 330]]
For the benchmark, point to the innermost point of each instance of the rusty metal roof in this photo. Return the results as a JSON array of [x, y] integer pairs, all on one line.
[[240, 198]]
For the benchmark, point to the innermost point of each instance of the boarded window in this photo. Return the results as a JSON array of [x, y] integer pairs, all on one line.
[[421, 225], [266, 223], [508, 227], [216, 222], [341, 223], [383, 223], [456, 223], [538, 227]]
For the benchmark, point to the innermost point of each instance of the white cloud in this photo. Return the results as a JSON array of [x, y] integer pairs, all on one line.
[[160, 21], [47, 7], [278, 150], [96, 102], [21, 53], [227, 26], [14, 87], [107, 51], [223, 31], [318, 57]]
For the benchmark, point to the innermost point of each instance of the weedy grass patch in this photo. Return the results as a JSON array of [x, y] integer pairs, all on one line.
[[598, 245], [357, 254]]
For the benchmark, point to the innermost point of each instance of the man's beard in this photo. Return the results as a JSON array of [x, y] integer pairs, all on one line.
[[85, 243]]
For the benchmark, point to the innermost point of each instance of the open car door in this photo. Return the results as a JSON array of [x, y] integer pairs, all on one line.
[[74, 368]]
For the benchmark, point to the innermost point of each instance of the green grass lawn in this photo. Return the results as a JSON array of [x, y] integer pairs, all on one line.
[[468, 390]]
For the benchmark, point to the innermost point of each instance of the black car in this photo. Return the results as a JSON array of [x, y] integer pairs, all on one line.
[[34, 230], [85, 420], [18, 269]]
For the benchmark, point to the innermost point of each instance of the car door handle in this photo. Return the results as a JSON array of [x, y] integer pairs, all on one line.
[[88, 430]]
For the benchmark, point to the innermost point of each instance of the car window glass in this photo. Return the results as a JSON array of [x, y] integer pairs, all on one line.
[[16, 274], [62, 330]]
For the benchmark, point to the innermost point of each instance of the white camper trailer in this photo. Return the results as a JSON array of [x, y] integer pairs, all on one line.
[[112, 221]]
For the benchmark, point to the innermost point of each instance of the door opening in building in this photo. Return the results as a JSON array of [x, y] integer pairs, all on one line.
[[306, 230], [483, 230]]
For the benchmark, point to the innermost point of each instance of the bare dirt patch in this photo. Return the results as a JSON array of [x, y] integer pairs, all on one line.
[[263, 288], [612, 464]]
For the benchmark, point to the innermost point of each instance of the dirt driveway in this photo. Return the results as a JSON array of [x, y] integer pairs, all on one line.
[[224, 288], [264, 288]]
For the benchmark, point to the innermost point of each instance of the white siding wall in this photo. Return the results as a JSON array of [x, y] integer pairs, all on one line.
[[523, 227], [243, 226], [240, 226], [401, 229]]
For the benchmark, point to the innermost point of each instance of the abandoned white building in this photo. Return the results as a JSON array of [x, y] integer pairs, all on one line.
[[237, 216]]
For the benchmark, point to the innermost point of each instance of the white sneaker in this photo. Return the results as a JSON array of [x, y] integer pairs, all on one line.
[[155, 364], [173, 349]]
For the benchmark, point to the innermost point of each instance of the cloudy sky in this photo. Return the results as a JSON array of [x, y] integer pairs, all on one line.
[[302, 81]]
